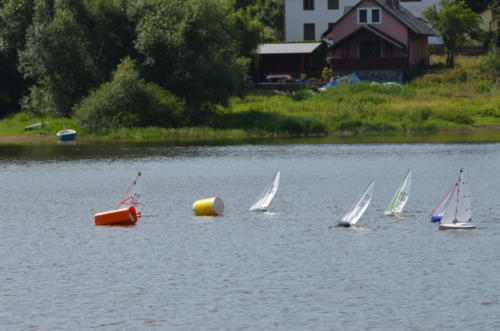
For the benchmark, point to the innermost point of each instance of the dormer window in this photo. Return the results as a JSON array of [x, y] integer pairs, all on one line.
[[369, 16], [375, 15]]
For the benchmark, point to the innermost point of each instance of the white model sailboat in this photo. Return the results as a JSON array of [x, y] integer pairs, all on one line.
[[457, 214], [265, 198], [400, 197], [438, 212], [133, 196], [358, 208]]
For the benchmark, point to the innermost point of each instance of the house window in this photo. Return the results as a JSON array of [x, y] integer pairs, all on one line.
[[363, 16], [376, 15], [333, 4], [370, 50], [308, 4], [369, 16], [330, 26], [309, 31]]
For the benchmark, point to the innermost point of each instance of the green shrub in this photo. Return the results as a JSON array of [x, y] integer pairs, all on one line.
[[483, 87], [301, 125], [380, 127], [390, 89], [421, 115], [254, 120], [39, 102], [351, 125], [490, 66], [302, 95], [127, 101], [463, 118]]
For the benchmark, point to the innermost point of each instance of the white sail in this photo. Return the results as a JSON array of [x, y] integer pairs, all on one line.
[[400, 197], [265, 198], [439, 211], [359, 207], [458, 209], [464, 201], [450, 211], [133, 196]]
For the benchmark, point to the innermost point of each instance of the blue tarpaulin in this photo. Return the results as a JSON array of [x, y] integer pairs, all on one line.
[[349, 79]]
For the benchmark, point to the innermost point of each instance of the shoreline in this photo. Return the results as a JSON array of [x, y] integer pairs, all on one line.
[[475, 134]]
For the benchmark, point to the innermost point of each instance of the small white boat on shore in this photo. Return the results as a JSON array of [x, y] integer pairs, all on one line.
[[66, 135]]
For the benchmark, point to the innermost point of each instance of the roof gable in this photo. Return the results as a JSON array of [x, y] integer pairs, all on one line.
[[398, 12], [373, 30]]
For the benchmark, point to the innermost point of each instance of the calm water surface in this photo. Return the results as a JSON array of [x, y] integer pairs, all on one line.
[[284, 270]]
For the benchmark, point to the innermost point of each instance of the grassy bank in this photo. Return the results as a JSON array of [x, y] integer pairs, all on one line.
[[442, 100], [445, 99]]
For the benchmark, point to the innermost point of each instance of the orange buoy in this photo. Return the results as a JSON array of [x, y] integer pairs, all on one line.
[[125, 216]]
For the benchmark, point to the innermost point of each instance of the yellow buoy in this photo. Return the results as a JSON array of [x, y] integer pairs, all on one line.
[[208, 207]]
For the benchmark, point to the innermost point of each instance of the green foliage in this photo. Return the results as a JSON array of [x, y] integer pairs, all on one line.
[[199, 50], [491, 66], [188, 47], [57, 54], [272, 14], [38, 102], [302, 95], [326, 74], [15, 18], [127, 101], [258, 121], [248, 32], [445, 99], [455, 22]]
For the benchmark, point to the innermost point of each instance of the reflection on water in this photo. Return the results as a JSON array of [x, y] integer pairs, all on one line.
[[92, 150], [284, 269]]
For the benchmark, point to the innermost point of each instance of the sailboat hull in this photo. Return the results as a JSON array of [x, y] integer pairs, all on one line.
[[344, 224], [262, 210], [456, 226]]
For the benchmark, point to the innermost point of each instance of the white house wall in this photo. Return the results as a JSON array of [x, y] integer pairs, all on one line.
[[296, 16]]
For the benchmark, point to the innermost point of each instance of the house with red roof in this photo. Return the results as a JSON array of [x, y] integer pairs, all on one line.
[[379, 40]]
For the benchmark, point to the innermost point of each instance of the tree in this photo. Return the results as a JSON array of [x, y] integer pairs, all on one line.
[[15, 17], [479, 5], [248, 32], [187, 46], [272, 14], [455, 22], [128, 101], [58, 54]]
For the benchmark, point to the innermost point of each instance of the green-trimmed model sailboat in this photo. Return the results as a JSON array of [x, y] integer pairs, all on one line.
[[400, 197]]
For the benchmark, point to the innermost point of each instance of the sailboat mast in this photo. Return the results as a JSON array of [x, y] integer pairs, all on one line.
[[458, 193]]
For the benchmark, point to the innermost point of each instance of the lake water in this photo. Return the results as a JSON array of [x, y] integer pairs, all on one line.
[[281, 270]]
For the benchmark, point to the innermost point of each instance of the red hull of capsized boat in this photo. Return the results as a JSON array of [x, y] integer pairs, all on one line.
[[120, 217]]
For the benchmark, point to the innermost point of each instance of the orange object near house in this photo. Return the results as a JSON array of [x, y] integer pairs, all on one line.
[[125, 216]]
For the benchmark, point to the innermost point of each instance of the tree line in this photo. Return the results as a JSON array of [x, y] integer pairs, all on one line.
[[115, 63], [118, 63]]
